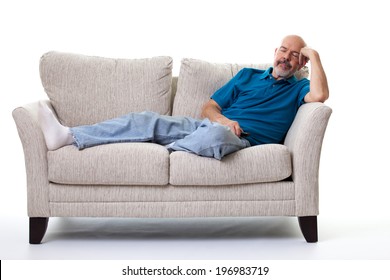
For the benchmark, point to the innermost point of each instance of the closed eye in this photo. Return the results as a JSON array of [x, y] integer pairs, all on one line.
[[295, 54]]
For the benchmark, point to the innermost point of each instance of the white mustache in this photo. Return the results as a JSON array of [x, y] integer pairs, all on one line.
[[286, 62]]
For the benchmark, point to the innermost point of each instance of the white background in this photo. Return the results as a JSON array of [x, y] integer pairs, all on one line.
[[351, 37]]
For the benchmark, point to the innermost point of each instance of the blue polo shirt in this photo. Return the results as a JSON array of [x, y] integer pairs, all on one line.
[[263, 106]]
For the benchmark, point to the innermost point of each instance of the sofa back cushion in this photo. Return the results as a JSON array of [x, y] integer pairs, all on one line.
[[198, 80], [85, 89]]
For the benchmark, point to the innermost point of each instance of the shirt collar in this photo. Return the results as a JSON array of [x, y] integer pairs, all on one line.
[[268, 74]]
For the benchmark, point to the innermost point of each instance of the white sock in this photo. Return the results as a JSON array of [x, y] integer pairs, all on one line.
[[56, 135]]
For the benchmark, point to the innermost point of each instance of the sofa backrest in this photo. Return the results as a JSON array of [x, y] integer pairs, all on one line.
[[86, 89], [198, 80]]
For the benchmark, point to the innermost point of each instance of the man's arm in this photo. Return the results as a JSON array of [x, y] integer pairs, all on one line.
[[212, 111], [319, 91]]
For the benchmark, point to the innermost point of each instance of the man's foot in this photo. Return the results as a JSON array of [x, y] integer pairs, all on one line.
[[56, 135]]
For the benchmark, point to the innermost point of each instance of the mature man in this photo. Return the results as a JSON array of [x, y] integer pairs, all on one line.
[[254, 107]]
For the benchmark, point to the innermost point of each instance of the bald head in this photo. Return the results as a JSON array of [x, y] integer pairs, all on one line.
[[294, 40]]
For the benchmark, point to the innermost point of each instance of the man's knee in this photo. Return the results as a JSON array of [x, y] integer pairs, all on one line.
[[210, 140]]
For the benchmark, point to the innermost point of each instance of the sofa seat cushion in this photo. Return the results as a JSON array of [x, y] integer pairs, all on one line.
[[114, 164], [258, 164]]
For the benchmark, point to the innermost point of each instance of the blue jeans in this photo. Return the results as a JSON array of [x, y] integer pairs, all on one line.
[[201, 137]]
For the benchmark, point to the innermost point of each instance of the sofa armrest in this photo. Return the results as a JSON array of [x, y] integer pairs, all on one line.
[[35, 156], [304, 140]]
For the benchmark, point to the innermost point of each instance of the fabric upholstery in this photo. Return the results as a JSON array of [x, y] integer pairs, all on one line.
[[117, 164], [174, 209], [283, 190], [304, 140], [34, 148], [85, 89], [264, 163], [198, 80]]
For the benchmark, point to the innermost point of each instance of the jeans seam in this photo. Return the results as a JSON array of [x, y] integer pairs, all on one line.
[[170, 138], [224, 145]]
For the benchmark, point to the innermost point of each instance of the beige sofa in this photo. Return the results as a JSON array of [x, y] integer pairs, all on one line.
[[144, 179]]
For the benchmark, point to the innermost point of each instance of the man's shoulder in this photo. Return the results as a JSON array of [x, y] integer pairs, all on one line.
[[254, 70], [248, 72]]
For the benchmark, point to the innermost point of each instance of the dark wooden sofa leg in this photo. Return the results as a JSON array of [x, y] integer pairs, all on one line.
[[38, 228], [308, 227]]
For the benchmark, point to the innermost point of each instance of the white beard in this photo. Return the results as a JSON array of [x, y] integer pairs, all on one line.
[[283, 73]]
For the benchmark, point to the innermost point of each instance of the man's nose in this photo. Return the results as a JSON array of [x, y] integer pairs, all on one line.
[[287, 56]]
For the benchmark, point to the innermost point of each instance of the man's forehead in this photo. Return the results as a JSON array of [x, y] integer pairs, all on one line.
[[293, 46]]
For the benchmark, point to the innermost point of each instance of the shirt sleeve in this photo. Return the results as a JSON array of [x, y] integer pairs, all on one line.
[[304, 90], [226, 95]]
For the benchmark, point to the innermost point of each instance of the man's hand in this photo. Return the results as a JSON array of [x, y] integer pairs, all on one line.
[[233, 125], [305, 54], [212, 111]]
